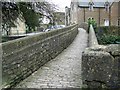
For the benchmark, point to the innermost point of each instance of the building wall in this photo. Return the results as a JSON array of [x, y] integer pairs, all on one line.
[[119, 9], [114, 14], [103, 15], [80, 15], [93, 14], [99, 14], [119, 13]]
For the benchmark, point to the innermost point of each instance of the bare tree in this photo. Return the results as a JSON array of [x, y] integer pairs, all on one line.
[[30, 11]]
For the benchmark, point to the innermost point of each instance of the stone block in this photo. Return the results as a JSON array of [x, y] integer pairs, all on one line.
[[97, 66]]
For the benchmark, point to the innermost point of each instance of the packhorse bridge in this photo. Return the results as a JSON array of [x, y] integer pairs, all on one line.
[[55, 59]]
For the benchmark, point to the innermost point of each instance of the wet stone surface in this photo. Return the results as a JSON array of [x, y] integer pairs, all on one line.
[[62, 72]]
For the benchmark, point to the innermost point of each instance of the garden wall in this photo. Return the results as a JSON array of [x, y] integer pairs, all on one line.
[[21, 57], [100, 64]]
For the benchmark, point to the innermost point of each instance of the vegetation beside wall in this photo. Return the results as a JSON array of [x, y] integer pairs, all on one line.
[[108, 35]]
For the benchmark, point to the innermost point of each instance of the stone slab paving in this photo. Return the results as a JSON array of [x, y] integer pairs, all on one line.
[[62, 72]]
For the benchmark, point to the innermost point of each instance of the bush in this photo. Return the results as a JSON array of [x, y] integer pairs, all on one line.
[[109, 39], [113, 30], [108, 35]]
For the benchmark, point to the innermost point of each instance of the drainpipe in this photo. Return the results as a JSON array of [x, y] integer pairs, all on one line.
[[119, 13], [66, 16], [99, 16], [109, 16], [84, 14]]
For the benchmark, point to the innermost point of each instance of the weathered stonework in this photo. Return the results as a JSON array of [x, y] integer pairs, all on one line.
[[102, 67], [101, 64], [23, 56], [81, 14]]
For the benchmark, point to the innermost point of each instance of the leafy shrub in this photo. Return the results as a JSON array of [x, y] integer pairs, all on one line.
[[108, 35], [113, 30], [109, 39]]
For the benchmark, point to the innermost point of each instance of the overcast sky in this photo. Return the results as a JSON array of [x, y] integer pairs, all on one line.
[[61, 4]]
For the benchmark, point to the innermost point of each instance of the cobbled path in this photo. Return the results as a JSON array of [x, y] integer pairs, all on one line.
[[62, 72]]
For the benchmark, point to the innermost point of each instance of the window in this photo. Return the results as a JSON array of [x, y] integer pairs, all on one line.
[[106, 22]]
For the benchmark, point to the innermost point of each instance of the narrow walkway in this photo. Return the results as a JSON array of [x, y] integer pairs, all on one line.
[[62, 72]]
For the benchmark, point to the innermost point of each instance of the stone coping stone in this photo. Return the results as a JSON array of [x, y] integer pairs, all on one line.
[[97, 66], [113, 49]]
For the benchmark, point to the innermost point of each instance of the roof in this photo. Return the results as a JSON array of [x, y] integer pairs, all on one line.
[[97, 4]]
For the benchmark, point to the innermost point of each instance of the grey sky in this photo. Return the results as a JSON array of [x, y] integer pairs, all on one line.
[[62, 3]]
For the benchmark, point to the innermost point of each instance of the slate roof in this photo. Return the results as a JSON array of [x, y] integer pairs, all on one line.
[[82, 3]]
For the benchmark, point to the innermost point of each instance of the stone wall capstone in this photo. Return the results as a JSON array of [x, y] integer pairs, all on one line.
[[101, 66], [92, 37]]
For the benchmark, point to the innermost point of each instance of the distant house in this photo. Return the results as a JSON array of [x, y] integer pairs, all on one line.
[[80, 12], [19, 28]]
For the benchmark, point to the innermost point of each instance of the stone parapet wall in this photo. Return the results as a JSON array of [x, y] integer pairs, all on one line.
[[101, 65], [83, 25], [92, 37], [23, 56]]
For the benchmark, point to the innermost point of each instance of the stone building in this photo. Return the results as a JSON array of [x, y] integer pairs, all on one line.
[[67, 16], [18, 29], [80, 12]]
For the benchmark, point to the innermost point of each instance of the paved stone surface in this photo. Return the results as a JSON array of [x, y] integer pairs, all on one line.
[[62, 72]]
